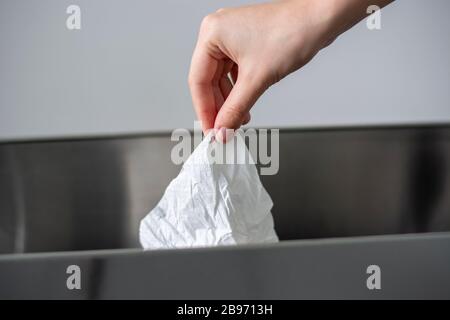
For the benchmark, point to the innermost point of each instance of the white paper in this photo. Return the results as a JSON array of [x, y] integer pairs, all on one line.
[[211, 204]]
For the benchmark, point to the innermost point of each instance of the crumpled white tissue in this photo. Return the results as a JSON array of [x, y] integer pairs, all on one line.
[[211, 204]]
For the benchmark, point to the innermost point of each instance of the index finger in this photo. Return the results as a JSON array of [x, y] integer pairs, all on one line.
[[201, 75]]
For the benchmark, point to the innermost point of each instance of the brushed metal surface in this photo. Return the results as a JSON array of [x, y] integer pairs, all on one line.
[[412, 267], [91, 193]]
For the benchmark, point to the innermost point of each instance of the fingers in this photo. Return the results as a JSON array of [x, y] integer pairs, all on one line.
[[235, 110], [203, 70], [226, 86], [247, 118], [217, 103]]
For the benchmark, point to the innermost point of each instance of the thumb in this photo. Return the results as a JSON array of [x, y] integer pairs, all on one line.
[[242, 97]]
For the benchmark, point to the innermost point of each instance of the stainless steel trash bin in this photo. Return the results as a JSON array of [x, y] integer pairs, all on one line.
[[344, 199]]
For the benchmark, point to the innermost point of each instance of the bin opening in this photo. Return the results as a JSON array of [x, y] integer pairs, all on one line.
[[85, 194]]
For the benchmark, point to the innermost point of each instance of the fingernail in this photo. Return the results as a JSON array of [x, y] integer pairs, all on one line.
[[220, 135], [207, 131]]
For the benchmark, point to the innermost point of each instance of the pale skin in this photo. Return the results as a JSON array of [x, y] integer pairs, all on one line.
[[242, 51]]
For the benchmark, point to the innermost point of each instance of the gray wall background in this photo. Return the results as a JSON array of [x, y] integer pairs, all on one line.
[[126, 70]]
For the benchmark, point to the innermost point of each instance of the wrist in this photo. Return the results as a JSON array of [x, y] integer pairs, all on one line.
[[330, 18], [344, 14], [326, 19]]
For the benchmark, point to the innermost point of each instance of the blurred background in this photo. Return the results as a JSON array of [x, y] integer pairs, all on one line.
[[126, 70]]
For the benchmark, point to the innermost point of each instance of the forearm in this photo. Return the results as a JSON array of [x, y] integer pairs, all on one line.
[[332, 17]]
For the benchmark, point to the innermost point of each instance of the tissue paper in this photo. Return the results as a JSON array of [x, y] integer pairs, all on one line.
[[210, 203]]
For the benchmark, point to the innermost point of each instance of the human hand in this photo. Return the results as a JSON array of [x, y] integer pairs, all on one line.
[[242, 51]]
